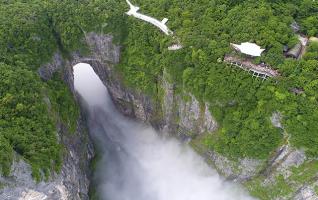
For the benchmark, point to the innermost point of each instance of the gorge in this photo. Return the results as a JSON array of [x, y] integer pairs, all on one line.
[[137, 163], [166, 106], [193, 120]]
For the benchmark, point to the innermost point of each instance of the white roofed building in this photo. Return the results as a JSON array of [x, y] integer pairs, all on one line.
[[250, 49]]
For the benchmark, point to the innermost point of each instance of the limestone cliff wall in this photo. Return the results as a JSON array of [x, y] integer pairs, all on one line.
[[72, 183], [180, 114]]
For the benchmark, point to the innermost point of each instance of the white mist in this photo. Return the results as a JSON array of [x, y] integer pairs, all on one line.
[[137, 163]]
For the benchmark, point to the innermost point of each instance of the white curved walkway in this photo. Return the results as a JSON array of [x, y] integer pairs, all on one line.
[[160, 24]]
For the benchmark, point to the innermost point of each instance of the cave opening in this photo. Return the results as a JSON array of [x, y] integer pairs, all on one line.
[[88, 84]]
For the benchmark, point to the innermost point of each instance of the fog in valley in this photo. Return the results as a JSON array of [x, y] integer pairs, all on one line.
[[137, 163]]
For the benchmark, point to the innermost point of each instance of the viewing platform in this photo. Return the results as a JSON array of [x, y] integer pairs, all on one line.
[[260, 71]]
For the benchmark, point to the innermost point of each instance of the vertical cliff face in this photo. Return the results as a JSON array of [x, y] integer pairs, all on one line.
[[178, 113], [71, 183], [182, 115]]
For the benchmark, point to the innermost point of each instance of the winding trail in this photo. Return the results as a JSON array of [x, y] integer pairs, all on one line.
[[160, 24]]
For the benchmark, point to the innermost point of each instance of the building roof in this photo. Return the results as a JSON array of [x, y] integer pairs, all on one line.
[[295, 51], [247, 48], [260, 70]]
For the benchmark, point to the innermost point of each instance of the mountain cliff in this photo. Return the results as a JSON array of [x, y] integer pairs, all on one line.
[[261, 133], [183, 116]]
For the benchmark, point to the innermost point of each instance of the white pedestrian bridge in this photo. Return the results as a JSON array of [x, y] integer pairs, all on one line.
[[160, 24]]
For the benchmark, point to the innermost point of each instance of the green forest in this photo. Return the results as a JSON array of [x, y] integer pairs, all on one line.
[[241, 104], [31, 31]]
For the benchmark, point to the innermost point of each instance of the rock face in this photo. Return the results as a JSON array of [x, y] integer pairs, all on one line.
[[178, 113], [190, 115], [71, 183], [183, 115], [196, 117]]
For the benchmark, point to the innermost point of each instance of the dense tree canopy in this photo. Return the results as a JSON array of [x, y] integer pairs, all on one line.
[[26, 126], [242, 105], [32, 31]]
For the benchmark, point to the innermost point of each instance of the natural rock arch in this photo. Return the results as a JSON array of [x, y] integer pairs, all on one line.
[[104, 55]]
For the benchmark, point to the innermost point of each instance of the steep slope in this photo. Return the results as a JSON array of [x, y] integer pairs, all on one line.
[[286, 173], [228, 115]]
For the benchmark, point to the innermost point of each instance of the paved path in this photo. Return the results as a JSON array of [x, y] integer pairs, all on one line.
[[160, 24]]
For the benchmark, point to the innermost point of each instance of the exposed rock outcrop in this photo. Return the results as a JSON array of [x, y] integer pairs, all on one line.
[[71, 183], [178, 113], [183, 115]]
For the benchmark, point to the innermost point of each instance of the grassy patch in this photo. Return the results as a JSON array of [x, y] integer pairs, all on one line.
[[316, 189], [304, 173], [93, 194], [199, 145], [2, 185], [272, 191], [284, 187]]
